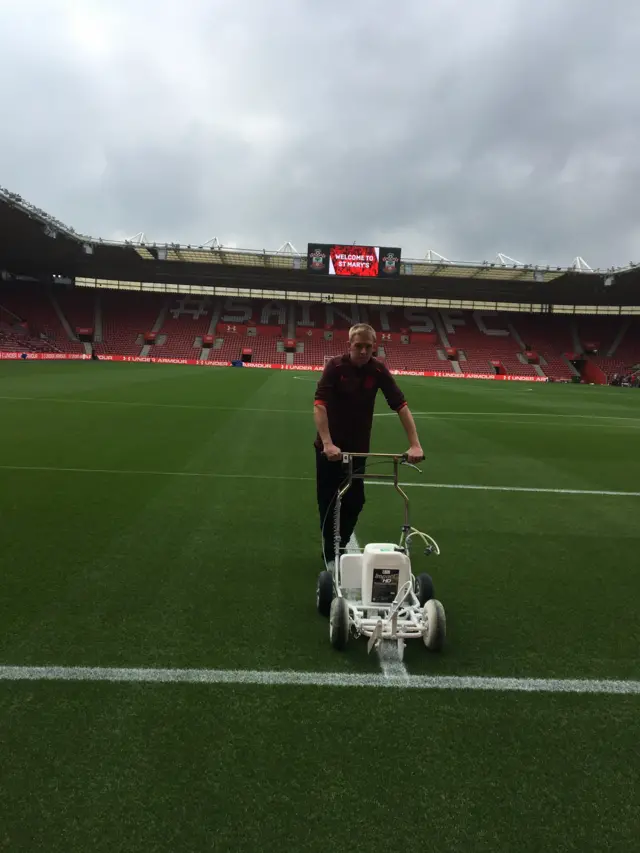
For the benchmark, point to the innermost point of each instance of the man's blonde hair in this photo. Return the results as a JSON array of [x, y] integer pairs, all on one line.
[[362, 329]]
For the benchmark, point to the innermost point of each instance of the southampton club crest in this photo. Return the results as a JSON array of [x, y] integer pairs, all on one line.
[[317, 259], [390, 263]]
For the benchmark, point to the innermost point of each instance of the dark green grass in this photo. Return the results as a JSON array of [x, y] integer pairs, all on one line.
[[184, 567], [167, 768]]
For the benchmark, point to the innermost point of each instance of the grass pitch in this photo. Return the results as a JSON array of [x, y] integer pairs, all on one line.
[[164, 516]]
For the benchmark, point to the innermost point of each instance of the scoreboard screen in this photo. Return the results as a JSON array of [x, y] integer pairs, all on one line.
[[359, 261]]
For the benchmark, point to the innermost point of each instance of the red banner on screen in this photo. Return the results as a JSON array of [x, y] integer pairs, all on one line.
[[351, 260], [354, 260]]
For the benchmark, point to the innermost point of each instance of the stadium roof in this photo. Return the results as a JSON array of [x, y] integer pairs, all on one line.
[[35, 243]]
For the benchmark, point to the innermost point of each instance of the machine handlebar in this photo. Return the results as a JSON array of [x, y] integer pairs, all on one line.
[[402, 458], [397, 458]]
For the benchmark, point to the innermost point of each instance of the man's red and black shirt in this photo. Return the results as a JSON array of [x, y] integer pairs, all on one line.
[[348, 392]]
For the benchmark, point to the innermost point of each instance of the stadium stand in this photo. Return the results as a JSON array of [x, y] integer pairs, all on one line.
[[616, 342], [550, 336], [36, 307], [478, 342], [125, 317], [486, 343]]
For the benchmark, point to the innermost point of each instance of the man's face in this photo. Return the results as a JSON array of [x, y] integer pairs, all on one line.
[[361, 349]]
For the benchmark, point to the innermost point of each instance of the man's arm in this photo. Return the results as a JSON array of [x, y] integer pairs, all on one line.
[[322, 422], [396, 401], [324, 393], [415, 453]]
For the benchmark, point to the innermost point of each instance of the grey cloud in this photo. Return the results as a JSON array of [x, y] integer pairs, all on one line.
[[469, 128]]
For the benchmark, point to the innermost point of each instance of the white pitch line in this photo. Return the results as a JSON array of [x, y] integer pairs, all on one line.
[[197, 407], [157, 405], [529, 489], [214, 474], [511, 415], [219, 475], [276, 678]]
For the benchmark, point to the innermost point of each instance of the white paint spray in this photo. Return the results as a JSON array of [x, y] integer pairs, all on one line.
[[390, 663]]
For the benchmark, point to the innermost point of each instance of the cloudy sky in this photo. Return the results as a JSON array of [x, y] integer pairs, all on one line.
[[470, 127]]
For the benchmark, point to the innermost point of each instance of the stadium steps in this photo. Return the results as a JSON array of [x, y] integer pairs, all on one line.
[[619, 337], [211, 330], [215, 319], [97, 319], [159, 323], [575, 338], [441, 329], [63, 320], [516, 337], [291, 325]]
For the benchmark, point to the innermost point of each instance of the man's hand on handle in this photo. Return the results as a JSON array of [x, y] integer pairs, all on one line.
[[333, 453], [415, 454]]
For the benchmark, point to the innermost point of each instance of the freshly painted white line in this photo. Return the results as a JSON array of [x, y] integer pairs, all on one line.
[[390, 663], [219, 475], [273, 678], [392, 666], [352, 544]]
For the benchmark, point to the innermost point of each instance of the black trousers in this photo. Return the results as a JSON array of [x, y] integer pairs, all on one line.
[[330, 477]]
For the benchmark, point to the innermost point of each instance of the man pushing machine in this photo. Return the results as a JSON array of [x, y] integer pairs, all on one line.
[[343, 414]]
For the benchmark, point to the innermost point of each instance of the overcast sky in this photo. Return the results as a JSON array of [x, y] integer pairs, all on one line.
[[470, 127]]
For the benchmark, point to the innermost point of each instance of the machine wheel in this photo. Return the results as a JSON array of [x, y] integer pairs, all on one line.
[[339, 623], [424, 588], [324, 593], [434, 615]]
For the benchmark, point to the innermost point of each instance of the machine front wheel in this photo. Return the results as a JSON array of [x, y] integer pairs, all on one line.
[[436, 621], [424, 588], [339, 623], [324, 593]]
